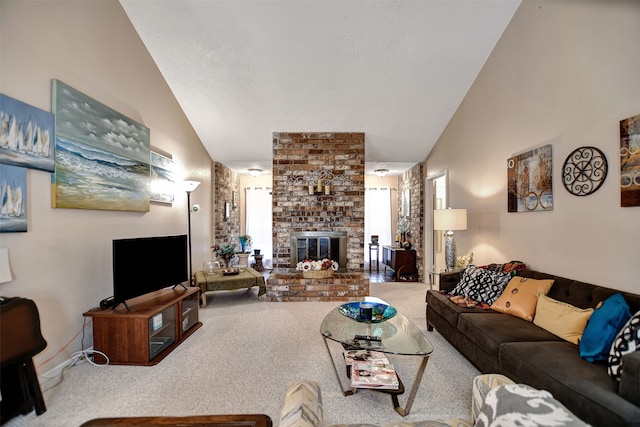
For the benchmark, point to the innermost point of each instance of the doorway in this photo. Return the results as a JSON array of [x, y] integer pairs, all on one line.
[[437, 191]]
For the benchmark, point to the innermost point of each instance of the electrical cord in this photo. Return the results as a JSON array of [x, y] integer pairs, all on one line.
[[84, 355]]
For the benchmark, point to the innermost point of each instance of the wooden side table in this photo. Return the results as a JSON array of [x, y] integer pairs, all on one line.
[[444, 275], [257, 265]]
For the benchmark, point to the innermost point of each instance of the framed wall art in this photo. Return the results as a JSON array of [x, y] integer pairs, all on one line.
[[630, 162], [26, 135], [163, 184], [13, 199], [529, 177], [102, 158]]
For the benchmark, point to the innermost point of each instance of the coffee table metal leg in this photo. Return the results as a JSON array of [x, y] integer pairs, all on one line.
[[414, 390], [347, 392]]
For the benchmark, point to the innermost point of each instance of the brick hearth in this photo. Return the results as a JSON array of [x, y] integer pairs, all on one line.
[[289, 287]]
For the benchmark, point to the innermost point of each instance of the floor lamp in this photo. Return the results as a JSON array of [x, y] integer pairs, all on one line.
[[189, 186], [448, 220]]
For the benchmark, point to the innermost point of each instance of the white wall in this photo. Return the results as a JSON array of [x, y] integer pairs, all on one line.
[[63, 262], [563, 73]]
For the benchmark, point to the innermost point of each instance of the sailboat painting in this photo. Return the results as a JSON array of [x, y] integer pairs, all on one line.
[[26, 135], [13, 199], [102, 158]]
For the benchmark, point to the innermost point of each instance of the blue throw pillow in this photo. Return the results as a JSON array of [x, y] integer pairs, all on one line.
[[602, 328]]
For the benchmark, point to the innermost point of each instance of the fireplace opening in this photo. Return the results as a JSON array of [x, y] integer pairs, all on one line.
[[317, 245]]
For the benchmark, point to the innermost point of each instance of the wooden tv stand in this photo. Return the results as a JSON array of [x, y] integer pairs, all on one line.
[[156, 324]]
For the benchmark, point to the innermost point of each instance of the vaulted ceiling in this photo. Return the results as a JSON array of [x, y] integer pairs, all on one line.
[[396, 70]]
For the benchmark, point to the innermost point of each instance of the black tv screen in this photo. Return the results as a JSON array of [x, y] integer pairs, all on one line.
[[144, 265]]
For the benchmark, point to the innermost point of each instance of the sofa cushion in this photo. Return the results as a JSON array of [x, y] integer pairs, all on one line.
[[627, 341], [602, 328], [630, 381], [584, 388], [521, 297], [580, 294], [481, 285], [521, 405], [561, 319], [440, 303], [489, 331]]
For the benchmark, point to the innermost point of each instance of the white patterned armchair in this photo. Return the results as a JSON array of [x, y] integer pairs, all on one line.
[[496, 400]]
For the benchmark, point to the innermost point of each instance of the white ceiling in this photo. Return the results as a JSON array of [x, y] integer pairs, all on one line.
[[395, 70]]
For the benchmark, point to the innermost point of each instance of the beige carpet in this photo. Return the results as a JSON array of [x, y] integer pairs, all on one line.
[[241, 360]]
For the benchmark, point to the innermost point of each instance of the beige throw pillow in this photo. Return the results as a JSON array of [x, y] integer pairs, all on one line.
[[520, 297], [561, 319]]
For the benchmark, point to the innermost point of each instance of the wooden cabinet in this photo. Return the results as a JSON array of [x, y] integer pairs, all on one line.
[[145, 334], [401, 261]]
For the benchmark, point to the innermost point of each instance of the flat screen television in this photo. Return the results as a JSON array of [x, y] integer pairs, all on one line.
[[147, 264]]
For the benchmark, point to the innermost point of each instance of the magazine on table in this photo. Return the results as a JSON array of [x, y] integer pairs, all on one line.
[[370, 356], [374, 375]]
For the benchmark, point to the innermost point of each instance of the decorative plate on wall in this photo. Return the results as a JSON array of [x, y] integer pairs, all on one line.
[[584, 171]]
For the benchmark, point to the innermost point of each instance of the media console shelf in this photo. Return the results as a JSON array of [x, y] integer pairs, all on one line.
[[156, 324]]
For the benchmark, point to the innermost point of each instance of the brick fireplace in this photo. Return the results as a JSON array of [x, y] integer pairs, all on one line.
[[303, 162]]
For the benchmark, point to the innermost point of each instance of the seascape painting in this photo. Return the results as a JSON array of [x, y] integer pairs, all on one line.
[[163, 186], [529, 177], [102, 158], [13, 199], [26, 135], [630, 162]]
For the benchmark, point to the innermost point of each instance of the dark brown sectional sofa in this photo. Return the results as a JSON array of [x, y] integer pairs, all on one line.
[[500, 343]]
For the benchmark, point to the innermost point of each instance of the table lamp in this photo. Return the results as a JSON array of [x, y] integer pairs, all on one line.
[[448, 220]]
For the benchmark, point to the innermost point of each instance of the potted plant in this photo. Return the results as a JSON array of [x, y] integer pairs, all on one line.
[[245, 242], [225, 252]]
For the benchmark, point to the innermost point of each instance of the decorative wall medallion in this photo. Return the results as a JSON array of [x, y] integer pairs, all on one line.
[[584, 171]]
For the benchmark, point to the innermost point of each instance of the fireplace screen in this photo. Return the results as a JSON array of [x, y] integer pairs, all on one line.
[[316, 245]]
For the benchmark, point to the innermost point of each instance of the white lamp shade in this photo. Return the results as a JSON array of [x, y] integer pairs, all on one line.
[[450, 219], [189, 186], [5, 268]]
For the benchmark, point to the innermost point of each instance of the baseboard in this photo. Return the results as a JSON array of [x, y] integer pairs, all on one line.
[[56, 371]]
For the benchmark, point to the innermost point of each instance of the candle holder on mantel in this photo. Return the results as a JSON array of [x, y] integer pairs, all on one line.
[[320, 189]]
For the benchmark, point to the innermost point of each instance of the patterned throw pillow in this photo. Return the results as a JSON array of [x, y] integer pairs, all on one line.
[[513, 267], [627, 341], [481, 285], [521, 405], [520, 297]]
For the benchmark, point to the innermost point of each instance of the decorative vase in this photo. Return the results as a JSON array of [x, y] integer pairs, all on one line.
[[225, 262], [209, 266], [256, 251], [317, 274]]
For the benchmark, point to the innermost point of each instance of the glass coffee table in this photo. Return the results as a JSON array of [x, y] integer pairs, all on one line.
[[397, 335]]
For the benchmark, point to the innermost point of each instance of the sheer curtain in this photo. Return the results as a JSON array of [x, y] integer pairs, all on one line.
[[377, 216], [259, 225]]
